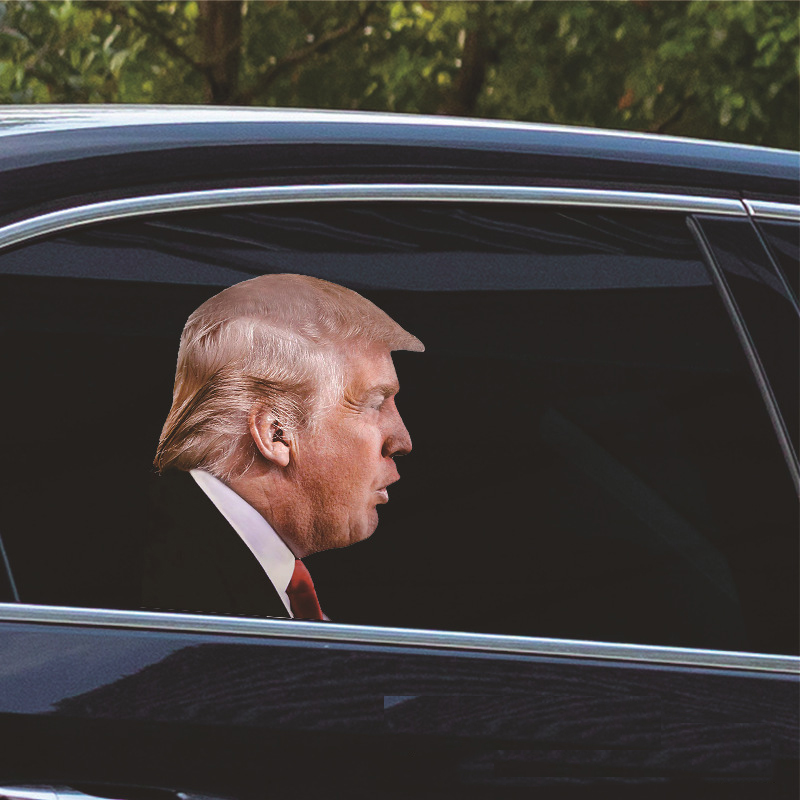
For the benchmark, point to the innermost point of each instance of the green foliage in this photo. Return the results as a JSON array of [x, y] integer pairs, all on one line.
[[725, 70]]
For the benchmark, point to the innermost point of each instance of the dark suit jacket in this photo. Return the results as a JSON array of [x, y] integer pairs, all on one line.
[[196, 561]]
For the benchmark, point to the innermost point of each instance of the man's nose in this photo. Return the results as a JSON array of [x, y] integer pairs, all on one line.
[[398, 440]]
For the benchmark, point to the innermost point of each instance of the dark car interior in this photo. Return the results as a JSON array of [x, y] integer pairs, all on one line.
[[591, 455]]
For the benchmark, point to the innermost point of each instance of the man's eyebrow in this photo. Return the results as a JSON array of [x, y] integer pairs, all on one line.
[[360, 395], [385, 389]]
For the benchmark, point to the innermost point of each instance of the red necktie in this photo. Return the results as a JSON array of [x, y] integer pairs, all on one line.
[[302, 596]]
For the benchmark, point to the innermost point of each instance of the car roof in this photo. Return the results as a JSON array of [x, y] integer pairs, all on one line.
[[54, 155]]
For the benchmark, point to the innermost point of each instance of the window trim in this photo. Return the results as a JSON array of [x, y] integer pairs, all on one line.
[[265, 628], [76, 216], [761, 209]]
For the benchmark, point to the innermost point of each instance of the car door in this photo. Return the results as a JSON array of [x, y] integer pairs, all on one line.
[[586, 580]]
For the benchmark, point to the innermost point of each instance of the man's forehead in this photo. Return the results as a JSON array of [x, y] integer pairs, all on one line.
[[372, 370]]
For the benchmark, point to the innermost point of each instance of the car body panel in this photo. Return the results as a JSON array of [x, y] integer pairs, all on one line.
[[152, 699], [48, 165]]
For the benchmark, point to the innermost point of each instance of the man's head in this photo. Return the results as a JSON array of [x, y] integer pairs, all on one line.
[[285, 389]]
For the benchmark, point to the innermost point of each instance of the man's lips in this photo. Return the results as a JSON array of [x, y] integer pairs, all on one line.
[[383, 492]]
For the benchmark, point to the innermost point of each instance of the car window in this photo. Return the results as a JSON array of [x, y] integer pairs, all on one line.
[[592, 458], [783, 240], [767, 307]]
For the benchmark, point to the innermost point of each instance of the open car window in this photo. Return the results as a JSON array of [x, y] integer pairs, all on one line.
[[592, 458]]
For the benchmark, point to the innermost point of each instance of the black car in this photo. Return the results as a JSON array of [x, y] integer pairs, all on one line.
[[587, 581]]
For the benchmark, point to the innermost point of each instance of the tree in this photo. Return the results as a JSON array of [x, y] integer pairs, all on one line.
[[725, 70]]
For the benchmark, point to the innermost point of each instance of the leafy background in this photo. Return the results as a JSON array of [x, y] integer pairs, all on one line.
[[719, 70]]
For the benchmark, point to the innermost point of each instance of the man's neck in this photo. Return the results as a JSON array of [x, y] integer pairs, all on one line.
[[273, 498]]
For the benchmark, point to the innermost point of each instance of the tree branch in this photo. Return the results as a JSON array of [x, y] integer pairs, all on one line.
[[152, 28], [43, 52], [676, 114], [325, 42]]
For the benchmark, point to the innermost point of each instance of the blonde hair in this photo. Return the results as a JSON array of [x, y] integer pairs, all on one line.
[[275, 342]]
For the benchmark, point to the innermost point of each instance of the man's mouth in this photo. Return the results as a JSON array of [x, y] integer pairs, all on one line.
[[384, 494]]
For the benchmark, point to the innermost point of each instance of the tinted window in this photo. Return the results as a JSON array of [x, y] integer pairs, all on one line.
[[783, 239], [592, 459], [769, 312]]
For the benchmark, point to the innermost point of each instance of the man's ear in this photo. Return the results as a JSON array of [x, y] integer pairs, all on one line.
[[270, 439]]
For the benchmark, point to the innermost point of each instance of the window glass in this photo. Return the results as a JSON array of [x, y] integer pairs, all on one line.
[[767, 308], [6, 586], [783, 239], [591, 456]]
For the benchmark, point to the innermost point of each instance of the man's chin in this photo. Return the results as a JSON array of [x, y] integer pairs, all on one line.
[[363, 531], [346, 535]]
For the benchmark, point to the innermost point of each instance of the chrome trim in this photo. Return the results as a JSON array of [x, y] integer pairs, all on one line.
[[763, 209], [759, 373], [402, 637], [28, 793], [185, 201]]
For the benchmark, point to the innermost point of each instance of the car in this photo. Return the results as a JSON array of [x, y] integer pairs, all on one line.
[[586, 583]]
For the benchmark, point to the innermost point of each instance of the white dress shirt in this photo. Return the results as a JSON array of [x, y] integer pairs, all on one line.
[[276, 559]]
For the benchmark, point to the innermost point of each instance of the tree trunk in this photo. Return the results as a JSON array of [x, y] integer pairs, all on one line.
[[463, 98], [220, 28]]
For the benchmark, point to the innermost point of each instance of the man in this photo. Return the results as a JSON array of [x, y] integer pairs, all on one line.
[[280, 443]]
